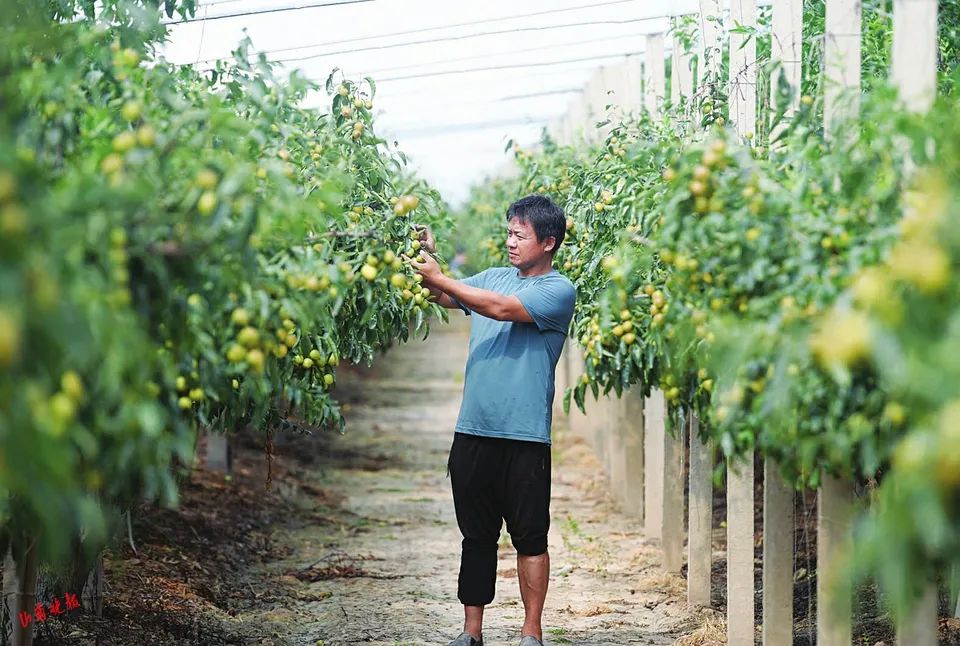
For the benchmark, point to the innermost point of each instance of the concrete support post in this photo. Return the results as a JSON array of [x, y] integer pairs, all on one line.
[[681, 73], [740, 586], [633, 452], [740, 494], [711, 53], [654, 74], [614, 83], [633, 94], [915, 50], [578, 421], [778, 524], [834, 542], [920, 628], [218, 452], [664, 486], [743, 68], [673, 511], [20, 594], [92, 595], [561, 380], [616, 448], [841, 53], [596, 105], [786, 42], [700, 523], [654, 438]]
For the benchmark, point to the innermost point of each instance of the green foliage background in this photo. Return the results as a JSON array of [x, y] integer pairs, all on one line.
[[177, 251]]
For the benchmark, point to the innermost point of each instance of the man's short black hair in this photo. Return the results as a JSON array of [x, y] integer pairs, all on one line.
[[546, 218]]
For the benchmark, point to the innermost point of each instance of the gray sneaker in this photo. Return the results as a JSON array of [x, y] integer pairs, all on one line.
[[466, 639], [530, 640]]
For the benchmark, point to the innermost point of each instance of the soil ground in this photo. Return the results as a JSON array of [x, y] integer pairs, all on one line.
[[356, 541]]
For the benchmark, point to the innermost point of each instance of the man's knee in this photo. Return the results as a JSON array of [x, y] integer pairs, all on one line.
[[532, 545], [478, 572], [480, 545]]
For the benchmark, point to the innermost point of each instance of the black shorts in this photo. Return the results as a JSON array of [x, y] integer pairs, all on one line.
[[496, 480]]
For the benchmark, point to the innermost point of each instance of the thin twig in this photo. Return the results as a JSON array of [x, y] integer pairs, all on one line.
[[168, 248], [342, 234], [130, 533], [269, 449]]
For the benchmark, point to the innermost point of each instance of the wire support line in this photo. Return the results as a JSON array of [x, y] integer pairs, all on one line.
[[260, 12], [203, 30], [569, 90], [403, 97], [422, 30], [212, 3], [491, 68], [442, 108], [488, 55], [401, 106], [590, 23], [422, 133]]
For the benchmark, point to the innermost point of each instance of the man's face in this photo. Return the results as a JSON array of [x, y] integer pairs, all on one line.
[[522, 245]]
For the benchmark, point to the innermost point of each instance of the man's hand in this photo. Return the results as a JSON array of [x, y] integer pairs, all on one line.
[[428, 267], [426, 238]]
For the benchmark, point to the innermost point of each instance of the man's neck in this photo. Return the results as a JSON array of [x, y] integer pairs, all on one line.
[[537, 270]]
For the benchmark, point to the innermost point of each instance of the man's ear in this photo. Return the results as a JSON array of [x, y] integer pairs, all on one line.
[[550, 244]]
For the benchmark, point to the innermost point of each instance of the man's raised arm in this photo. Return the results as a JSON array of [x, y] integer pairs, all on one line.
[[444, 300], [426, 239], [429, 244], [500, 307]]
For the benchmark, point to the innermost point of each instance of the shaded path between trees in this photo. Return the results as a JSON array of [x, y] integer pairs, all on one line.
[[380, 566]]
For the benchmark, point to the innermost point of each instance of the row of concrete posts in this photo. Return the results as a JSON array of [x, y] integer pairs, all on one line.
[[647, 463]]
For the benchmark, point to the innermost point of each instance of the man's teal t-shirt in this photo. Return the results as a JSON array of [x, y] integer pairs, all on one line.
[[509, 385]]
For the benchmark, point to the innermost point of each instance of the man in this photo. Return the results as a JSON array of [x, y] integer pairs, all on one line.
[[499, 463]]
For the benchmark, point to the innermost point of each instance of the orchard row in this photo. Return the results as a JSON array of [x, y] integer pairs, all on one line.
[[798, 297], [178, 251]]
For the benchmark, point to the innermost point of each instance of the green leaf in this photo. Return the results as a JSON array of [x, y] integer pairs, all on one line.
[[329, 83], [578, 396]]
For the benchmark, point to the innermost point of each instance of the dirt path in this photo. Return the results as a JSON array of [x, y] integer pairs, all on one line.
[[379, 564]]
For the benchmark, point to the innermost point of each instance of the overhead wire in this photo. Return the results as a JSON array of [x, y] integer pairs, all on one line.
[[569, 90], [538, 64], [473, 101], [485, 55], [491, 68], [212, 3], [514, 76], [258, 12], [540, 75], [421, 30], [493, 104], [423, 133], [203, 30], [515, 30]]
